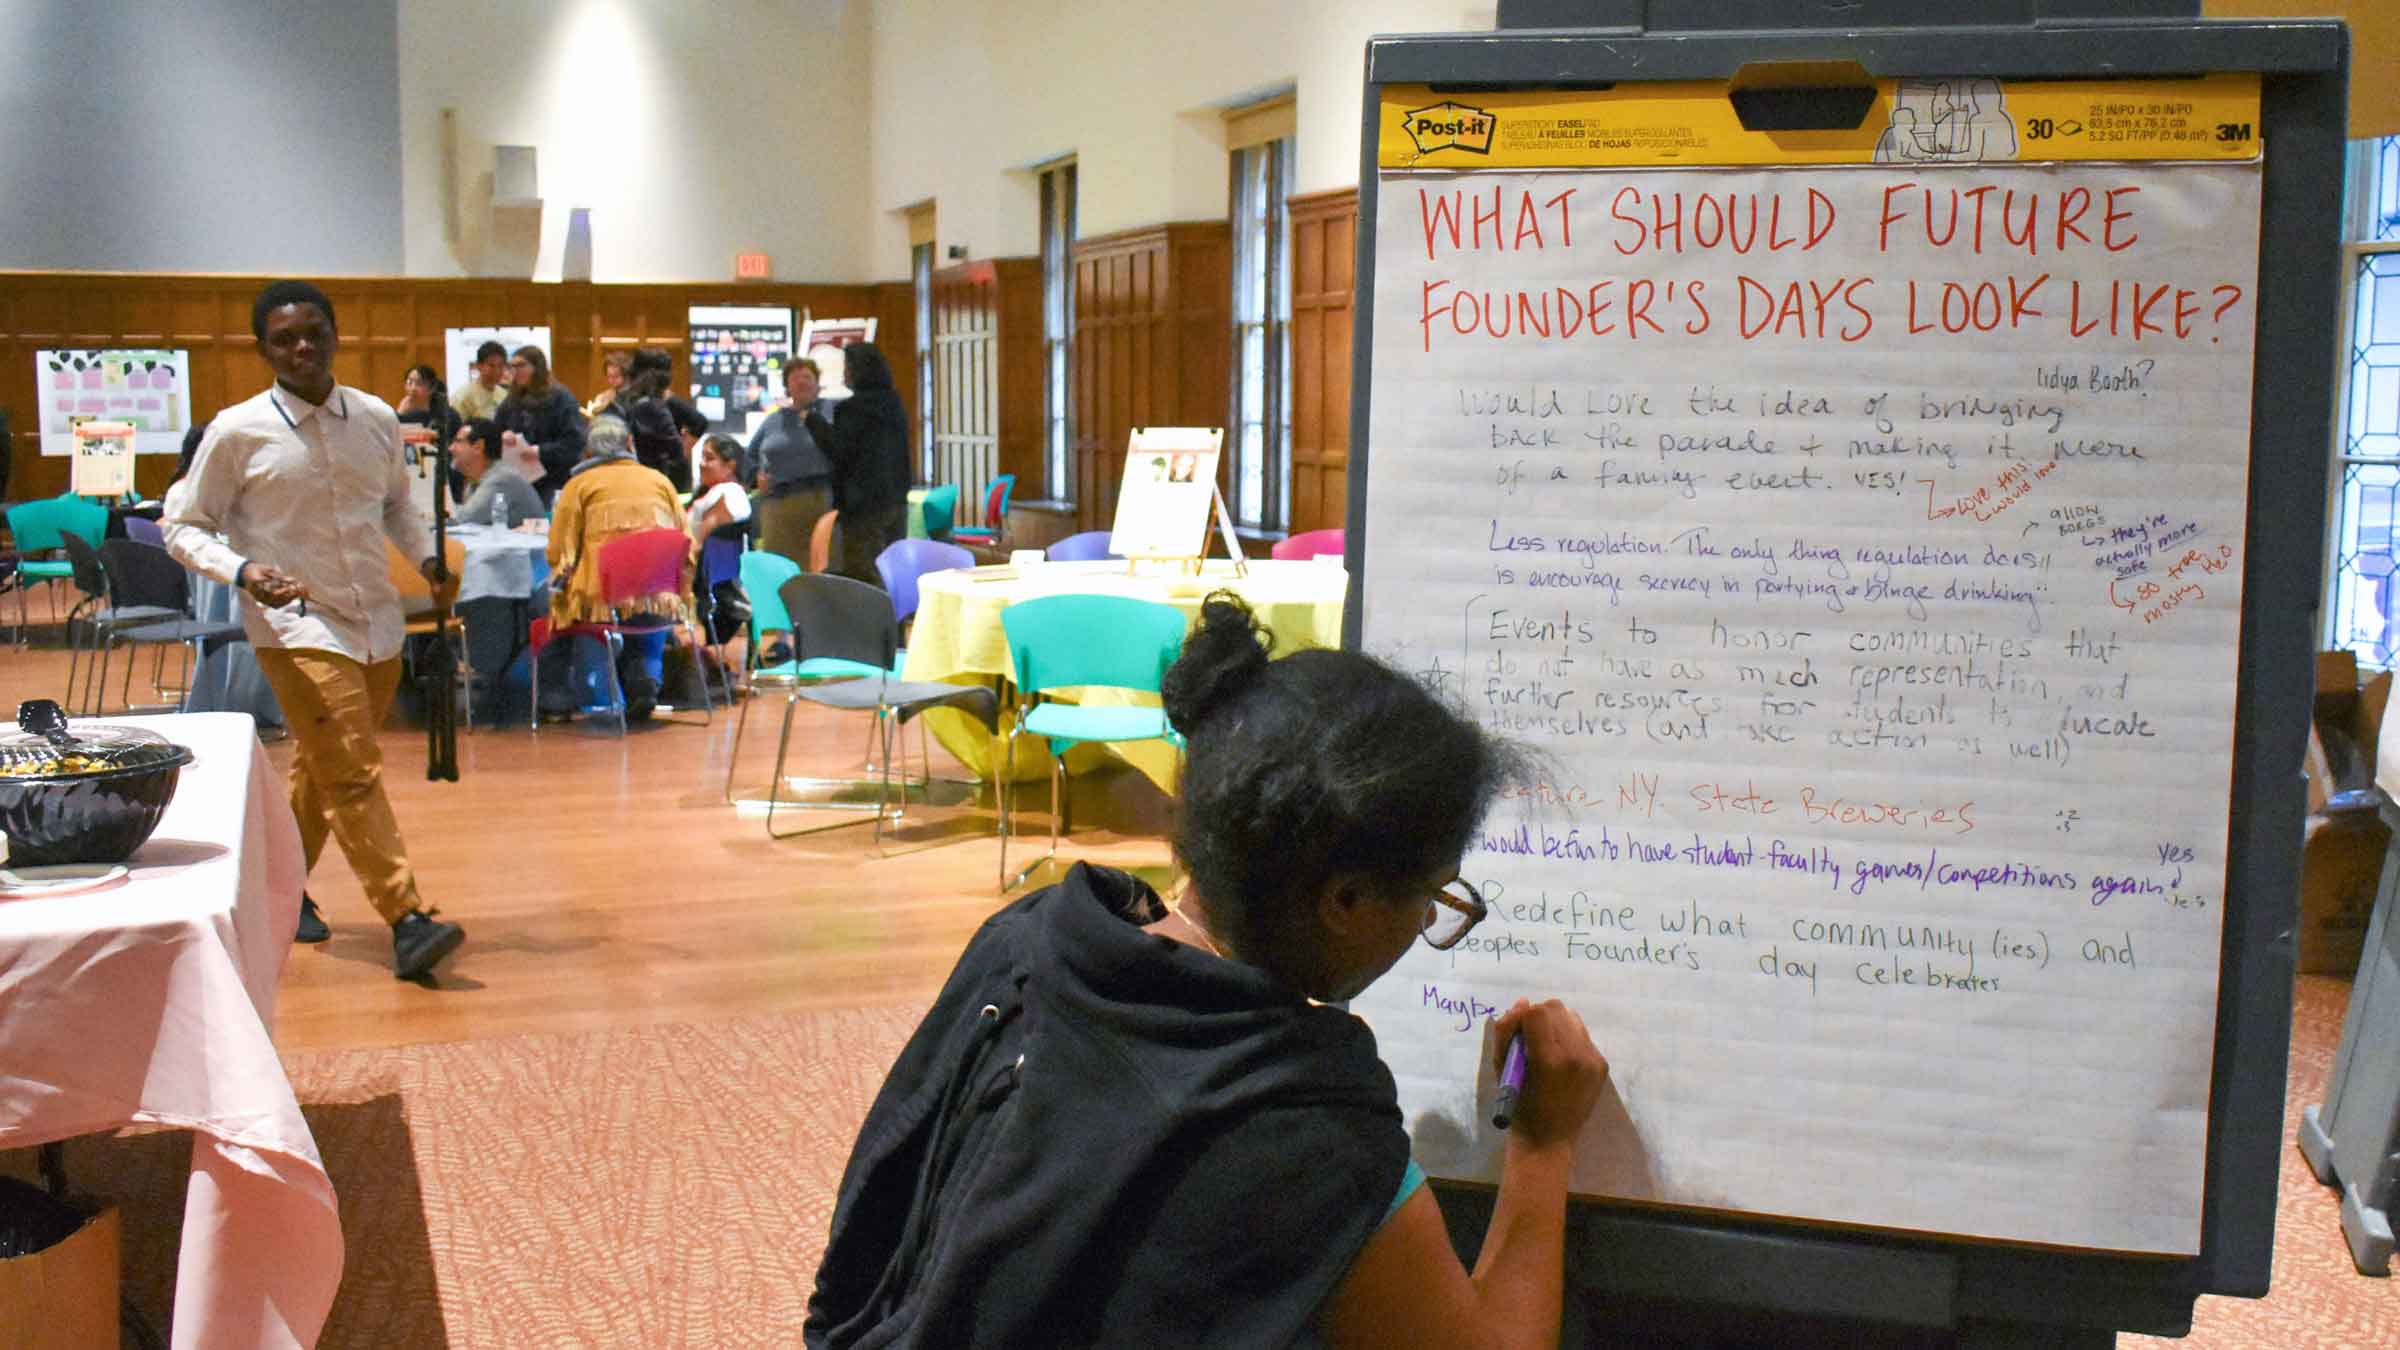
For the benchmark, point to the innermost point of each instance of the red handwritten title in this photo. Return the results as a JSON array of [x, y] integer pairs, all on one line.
[[1761, 300]]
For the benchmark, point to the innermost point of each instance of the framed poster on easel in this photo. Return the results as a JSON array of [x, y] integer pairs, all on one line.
[[1169, 496], [103, 463]]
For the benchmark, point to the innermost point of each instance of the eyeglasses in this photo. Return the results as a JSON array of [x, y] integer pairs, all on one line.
[[1454, 909]]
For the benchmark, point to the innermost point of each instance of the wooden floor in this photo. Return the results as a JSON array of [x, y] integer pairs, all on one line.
[[604, 882]]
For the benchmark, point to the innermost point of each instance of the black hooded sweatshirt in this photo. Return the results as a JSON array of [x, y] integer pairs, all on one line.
[[1103, 1137], [867, 440]]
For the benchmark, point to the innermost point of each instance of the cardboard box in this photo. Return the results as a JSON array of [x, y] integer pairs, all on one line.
[[64, 1297], [2341, 866]]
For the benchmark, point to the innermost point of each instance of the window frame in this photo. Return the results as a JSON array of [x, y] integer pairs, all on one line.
[[1058, 183], [2371, 207], [920, 277], [1260, 304]]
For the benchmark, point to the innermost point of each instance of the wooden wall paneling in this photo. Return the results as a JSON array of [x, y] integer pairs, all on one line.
[[966, 321], [1324, 238], [1017, 374], [1151, 312], [387, 325]]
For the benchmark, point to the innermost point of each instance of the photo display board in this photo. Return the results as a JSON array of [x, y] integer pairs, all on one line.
[[459, 344], [147, 389], [1165, 501], [1852, 524], [738, 354]]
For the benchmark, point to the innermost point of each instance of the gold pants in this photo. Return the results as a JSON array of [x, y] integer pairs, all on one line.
[[786, 522], [334, 707]]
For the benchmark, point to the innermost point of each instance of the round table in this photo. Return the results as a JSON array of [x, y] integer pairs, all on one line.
[[499, 587], [958, 637]]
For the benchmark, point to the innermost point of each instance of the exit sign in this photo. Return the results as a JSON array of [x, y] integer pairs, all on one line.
[[750, 267]]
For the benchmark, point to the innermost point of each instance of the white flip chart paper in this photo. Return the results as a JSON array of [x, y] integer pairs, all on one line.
[[1861, 549]]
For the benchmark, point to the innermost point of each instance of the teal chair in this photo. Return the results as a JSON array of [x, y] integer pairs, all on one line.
[[763, 575], [38, 527], [941, 511], [987, 531], [1080, 641]]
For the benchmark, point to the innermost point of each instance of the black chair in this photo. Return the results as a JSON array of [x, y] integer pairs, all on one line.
[[143, 574], [100, 618], [834, 616]]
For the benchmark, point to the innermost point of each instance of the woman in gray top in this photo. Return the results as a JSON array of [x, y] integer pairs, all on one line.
[[501, 496]]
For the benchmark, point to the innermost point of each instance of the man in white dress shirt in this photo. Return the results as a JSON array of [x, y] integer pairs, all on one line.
[[289, 500]]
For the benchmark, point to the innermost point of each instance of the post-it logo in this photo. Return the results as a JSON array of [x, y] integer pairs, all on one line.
[[1450, 126]]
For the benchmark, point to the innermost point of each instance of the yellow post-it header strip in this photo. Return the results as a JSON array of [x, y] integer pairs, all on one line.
[[1912, 121]]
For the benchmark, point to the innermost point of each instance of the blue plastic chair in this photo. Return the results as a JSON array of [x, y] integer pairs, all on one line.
[[1081, 641], [941, 511], [1089, 546], [906, 560], [37, 527], [994, 523]]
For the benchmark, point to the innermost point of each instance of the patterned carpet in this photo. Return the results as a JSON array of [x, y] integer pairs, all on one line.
[[670, 1186]]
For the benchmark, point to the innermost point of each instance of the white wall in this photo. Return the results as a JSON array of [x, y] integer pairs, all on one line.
[[968, 93], [692, 131], [199, 136]]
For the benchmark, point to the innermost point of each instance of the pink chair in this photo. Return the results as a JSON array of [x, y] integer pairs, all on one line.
[[1311, 544], [633, 567]]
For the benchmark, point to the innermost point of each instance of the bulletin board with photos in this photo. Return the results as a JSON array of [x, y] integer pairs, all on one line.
[[738, 353]]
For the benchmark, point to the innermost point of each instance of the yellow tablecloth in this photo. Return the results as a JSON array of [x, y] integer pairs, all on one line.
[[958, 638]]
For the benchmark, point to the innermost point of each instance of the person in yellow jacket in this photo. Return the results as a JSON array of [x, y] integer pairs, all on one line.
[[608, 495]]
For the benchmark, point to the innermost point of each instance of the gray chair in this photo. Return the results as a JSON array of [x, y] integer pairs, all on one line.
[[100, 618], [836, 618], [143, 574]]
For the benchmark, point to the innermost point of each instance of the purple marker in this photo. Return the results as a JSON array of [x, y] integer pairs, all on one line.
[[1512, 1082]]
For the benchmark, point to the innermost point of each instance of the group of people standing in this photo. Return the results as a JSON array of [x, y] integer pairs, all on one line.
[[808, 457]]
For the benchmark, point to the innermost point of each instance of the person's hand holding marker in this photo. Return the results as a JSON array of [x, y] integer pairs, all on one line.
[[1559, 1073]]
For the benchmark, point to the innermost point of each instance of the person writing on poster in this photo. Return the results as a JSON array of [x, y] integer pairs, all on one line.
[[489, 388], [542, 417], [290, 500], [1135, 1122], [867, 441]]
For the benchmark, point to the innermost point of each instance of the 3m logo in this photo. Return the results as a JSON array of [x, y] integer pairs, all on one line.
[[1450, 126]]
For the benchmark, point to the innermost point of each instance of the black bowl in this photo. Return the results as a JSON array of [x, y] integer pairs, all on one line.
[[87, 818]]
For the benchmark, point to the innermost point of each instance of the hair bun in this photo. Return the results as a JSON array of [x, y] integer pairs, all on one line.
[[1222, 655]]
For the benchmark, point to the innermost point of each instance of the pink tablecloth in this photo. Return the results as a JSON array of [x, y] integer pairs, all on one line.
[[152, 1002]]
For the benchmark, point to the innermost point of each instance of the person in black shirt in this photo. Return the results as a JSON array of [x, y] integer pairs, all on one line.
[[1135, 1122], [867, 441]]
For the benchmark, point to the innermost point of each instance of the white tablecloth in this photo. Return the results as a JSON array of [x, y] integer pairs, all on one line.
[[501, 564], [153, 1002]]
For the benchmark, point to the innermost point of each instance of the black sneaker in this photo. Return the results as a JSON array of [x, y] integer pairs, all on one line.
[[312, 924], [420, 941], [641, 699]]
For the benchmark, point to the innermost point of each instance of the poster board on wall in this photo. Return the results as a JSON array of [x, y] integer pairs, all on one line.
[[459, 344], [737, 355], [823, 340], [149, 389]]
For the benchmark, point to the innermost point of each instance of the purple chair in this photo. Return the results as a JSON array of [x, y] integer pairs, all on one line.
[[143, 530], [906, 560], [1089, 546]]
